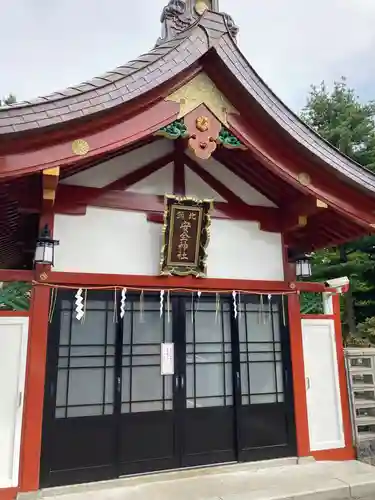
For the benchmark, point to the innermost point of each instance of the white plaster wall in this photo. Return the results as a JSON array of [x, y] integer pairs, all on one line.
[[322, 385], [239, 249], [107, 241], [158, 183], [13, 352], [195, 186], [118, 242], [247, 193]]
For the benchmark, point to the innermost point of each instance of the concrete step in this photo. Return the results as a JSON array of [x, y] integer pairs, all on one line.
[[271, 480]]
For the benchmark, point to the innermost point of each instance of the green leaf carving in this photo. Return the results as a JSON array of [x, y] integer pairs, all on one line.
[[174, 130], [228, 140], [15, 296]]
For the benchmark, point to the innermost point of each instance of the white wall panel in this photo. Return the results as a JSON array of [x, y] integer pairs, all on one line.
[[118, 242], [111, 170], [241, 250], [243, 190], [158, 183], [107, 241], [322, 385], [195, 186], [13, 352]]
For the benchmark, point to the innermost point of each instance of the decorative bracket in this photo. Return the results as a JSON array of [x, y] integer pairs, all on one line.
[[50, 183], [175, 130], [203, 131]]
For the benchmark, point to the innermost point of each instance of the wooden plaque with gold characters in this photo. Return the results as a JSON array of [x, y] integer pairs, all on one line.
[[186, 233]]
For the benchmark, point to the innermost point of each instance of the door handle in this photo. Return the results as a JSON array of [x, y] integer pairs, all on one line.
[[118, 380], [238, 380], [52, 389], [176, 382], [182, 382]]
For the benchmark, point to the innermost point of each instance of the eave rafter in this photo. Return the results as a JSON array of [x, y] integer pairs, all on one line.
[[326, 226], [337, 195], [235, 207], [298, 213]]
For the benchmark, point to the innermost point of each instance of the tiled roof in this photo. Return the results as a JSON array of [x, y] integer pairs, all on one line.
[[115, 87], [158, 66]]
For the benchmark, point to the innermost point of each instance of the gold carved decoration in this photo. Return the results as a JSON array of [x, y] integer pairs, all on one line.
[[202, 123], [43, 276], [55, 171], [202, 90], [80, 147], [203, 130], [321, 204], [302, 220], [304, 179], [201, 7]]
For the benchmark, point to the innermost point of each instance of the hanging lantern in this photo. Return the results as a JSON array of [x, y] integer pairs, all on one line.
[[303, 266], [45, 248], [302, 262]]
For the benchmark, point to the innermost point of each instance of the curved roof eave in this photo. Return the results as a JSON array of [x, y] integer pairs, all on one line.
[[112, 89], [240, 68], [156, 67]]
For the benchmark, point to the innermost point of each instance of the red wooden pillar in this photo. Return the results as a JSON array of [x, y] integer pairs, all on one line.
[[35, 377], [298, 368], [34, 390]]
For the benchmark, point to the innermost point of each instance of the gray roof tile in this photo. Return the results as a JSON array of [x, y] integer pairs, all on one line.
[[157, 66]]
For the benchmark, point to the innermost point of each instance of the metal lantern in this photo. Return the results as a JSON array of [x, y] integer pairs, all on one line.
[[45, 248], [303, 266]]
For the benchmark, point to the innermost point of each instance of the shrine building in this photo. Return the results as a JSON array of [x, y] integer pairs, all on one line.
[[154, 221]]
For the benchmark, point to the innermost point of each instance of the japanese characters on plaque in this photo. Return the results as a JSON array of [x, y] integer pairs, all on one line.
[[186, 236]]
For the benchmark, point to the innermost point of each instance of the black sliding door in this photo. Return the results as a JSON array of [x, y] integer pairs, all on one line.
[[109, 411], [79, 410], [264, 401], [208, 426], [185, 419], [148, 405]]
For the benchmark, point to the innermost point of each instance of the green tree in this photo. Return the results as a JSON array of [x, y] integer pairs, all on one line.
[[339, 117], [11, 99]]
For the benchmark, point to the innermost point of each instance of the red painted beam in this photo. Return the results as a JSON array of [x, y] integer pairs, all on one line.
[[166, 282], [215, 184], [70, 198], [16, 275], [179, 185], [268, 217], [141, 173], [114, 137], [253, 173]]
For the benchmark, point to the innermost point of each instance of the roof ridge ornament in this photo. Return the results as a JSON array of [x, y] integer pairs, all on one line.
[[231, 25], [179, 15]]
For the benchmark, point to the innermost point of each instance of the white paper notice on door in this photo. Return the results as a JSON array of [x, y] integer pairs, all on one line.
[[167, 359]]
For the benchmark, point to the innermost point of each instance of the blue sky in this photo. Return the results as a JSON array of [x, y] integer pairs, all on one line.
[[47, 45]]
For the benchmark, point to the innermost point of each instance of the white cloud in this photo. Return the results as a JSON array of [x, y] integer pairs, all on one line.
[[48, 45]]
